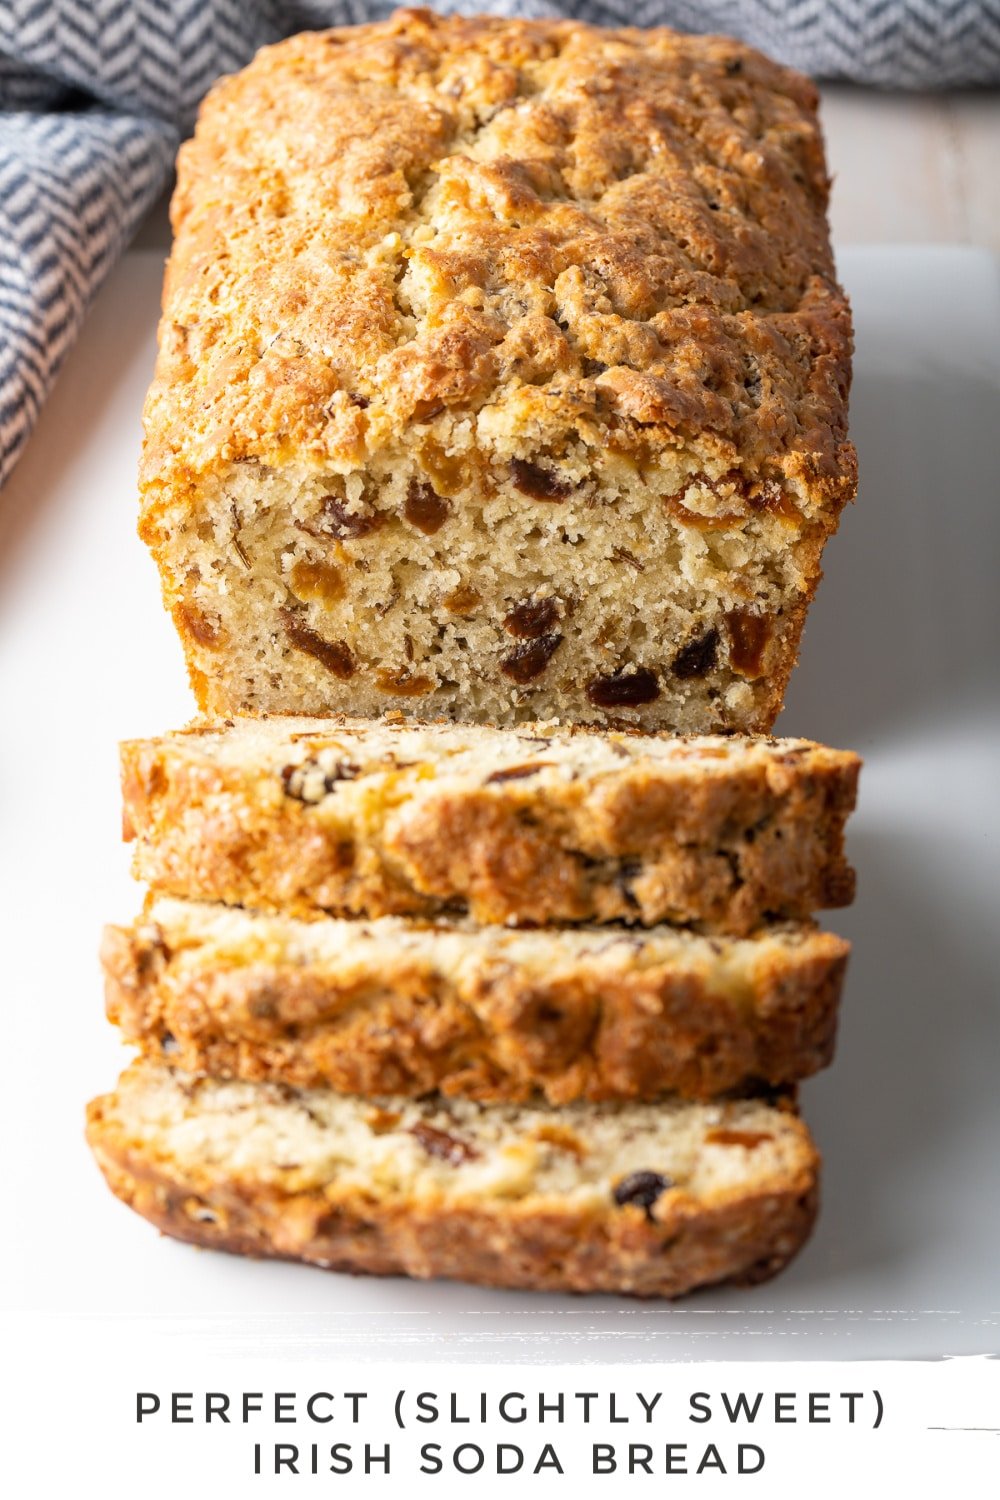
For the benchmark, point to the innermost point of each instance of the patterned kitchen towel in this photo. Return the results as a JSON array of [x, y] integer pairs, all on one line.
[[96, 94]]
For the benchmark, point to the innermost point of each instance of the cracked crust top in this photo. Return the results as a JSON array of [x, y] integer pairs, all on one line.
[[538, 225]]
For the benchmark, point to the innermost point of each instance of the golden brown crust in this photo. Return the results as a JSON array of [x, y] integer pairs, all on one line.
[[636, 244], [746, 831], [393, 1009], [533, 1244], [745, 1243]]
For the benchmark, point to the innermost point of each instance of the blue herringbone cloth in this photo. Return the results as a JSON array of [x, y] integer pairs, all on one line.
[[96, 94]]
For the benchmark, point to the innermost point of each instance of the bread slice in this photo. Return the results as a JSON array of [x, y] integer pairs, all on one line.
[[503, 373], [394, 1006], [531, 825], [648, 1199]]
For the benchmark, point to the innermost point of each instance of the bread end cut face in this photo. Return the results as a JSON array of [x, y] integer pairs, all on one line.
[[486, 393], [597, 608]]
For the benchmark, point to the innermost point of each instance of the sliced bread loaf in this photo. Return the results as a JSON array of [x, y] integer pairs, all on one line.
[[647, 1199], [536, 824], [403, 1007]]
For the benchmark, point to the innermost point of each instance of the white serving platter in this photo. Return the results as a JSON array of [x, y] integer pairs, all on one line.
[[900, 662]]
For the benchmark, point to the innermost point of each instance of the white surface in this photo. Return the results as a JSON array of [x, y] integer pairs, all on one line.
[[900, 658], [920, 167]]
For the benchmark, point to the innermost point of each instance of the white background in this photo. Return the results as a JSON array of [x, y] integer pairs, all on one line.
[[76, 1423]]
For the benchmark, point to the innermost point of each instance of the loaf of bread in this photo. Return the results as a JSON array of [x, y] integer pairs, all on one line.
[[502, 375], [647, 1199], [526, 825], [401, 1007]]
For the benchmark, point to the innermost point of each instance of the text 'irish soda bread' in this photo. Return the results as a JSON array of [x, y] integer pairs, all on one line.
[[649, 1199], [533, 824], [502, 375], [395, 1006]]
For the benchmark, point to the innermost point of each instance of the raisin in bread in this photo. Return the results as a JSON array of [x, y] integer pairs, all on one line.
[[404, 1007], [535, 824], [502, 374], [652, 1200]]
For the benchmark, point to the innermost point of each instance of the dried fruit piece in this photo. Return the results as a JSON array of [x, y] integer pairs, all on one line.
[[426, 407], [770, 498], [698, 657], [517, 773], [205, 629], [529, 660], [336, 656], [336, 520], [747, 1138], [725, 488], [717, 522], [462, 601], [536, 482], [449, 473], [563, 1139], [310, 774], [624, 689], [381, 1121], [444, 1145], [425, 509], [642, 1189], [317, 580], [748, 638], [403, 684], [532, 618]]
